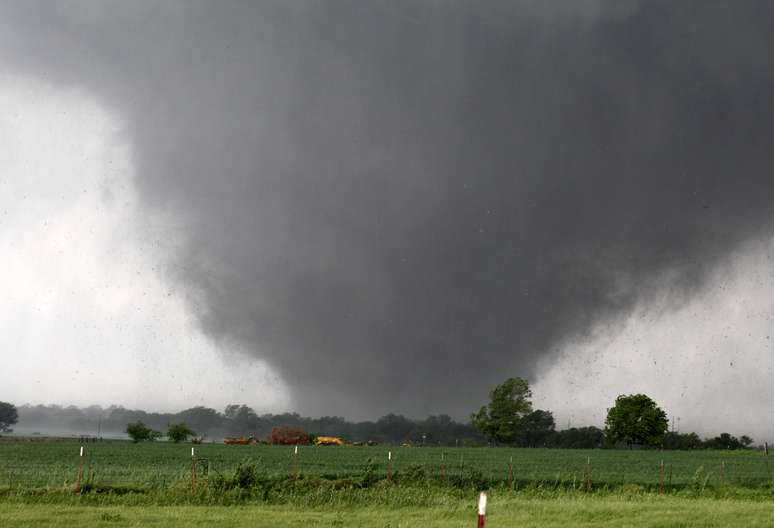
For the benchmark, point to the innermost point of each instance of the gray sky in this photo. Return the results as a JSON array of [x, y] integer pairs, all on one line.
[[359, 207]]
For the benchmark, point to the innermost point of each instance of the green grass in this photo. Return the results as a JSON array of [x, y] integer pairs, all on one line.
[[149, 485], [651, 512], [161, 464]]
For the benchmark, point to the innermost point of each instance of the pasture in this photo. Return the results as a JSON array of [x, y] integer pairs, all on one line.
[[149, 484], [43, 464]]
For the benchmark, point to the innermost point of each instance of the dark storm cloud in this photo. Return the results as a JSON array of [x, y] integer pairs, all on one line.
[[398, 204]]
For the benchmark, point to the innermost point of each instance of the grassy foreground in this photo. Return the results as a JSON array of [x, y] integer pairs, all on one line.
[[650, 511], [150, 485]]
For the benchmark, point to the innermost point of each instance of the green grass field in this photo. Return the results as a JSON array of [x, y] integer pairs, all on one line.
[[150, 485], [155, 465]]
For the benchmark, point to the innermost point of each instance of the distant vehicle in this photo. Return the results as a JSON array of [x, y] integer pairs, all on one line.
[[328, 440]]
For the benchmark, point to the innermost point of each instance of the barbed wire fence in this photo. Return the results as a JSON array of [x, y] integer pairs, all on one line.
[[109, 464]]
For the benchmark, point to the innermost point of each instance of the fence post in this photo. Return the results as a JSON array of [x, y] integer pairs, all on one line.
[[89, 472], [389, 466], [295, 461], [661, 478], [510, 473], [193, 469], [443, 469], [588, 474], [481, 510], [80, 471]]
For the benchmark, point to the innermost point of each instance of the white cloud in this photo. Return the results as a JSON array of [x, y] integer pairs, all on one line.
[[85, 316]]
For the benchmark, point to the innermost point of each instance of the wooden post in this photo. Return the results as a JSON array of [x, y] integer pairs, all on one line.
[[723, 472], [766, 448], [80, 471], [661, 478], [389, 466], [443, 469], [482, 510], [89, 471], [670, 478], [193, 469], [510, 473], [588, 474]]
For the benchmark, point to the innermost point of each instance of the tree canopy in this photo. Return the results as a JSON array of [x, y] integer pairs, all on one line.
[[538, 428], [8, 416], [179, 432], [138, 431], [636, 420], [501, 420]]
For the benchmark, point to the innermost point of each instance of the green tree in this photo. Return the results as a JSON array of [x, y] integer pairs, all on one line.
[[578, 438], [724, 441], [537, 428], [682, 441], [241, 419], [8, 416], [636, 419], [179, 432], [138, 431], [501, 420]]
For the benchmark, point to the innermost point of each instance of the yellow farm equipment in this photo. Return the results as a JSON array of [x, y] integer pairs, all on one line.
[[328, 440]]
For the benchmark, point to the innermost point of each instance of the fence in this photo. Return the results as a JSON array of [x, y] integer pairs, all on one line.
[[162, 464]]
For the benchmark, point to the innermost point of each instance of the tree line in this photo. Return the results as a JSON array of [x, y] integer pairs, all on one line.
[[635, 420], [507, 419], [242, 420]]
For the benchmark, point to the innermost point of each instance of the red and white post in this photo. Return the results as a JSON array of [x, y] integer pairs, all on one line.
[[193, 469], [482, 510], [80, 471]]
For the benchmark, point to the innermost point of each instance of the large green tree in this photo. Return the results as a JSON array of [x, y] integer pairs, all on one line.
[[537, 428], [179, 432], [636, 420], [501, 420], [138, 431], [8, 416]]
